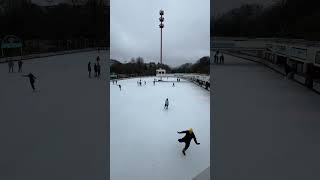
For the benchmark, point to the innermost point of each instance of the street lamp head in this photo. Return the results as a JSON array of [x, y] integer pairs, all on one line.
[[161, 19], [161, 12], [161, 25]]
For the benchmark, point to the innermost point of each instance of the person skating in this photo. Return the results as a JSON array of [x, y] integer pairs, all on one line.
[[95, 68], [221, 59], [187, 139], [98, 59], [287, 69], [172, 84], [166, 104], [89, 69], [120, 87], [145, 83], [20, 65], [31, 79], [154, 82], [98, 69], [216, 58], [11, 65]]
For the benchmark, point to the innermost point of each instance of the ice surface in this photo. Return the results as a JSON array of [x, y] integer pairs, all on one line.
[[266, 127], [59, 132], [144, 136]]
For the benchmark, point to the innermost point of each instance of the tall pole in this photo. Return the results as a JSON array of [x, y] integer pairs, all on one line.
[[161, 48], [161, 19]]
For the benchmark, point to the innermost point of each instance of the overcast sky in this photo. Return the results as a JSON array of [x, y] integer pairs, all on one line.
[[134, 30]]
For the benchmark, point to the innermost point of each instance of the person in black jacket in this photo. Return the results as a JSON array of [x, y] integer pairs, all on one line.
[[187, 139], [31, 79], [221, 59], [20, 65], [166, 104], [98, 69], [95, 68], [89, 69]]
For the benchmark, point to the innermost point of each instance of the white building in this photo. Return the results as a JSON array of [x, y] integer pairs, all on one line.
[[160, 72]]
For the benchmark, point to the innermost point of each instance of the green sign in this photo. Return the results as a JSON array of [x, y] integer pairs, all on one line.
[[11, 41]]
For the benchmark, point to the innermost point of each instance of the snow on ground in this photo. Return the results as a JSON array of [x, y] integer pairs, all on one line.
[[144, 140], [266, 127], [58, 132]]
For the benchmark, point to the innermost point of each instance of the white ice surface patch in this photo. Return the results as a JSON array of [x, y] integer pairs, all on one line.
[[144, 139]]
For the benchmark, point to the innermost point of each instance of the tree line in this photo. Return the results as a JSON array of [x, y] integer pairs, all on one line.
[[283, 19], [60, 22], [137, 67]]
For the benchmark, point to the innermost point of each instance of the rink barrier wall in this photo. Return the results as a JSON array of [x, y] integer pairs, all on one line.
[[42, 55], [296, 77], [198, 79]]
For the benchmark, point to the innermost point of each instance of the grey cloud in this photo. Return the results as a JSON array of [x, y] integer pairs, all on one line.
[[135, 32]]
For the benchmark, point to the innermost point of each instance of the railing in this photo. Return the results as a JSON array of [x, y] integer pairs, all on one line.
[[41, 55]]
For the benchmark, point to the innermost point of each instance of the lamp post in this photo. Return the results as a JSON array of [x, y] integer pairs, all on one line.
[[161, 19]]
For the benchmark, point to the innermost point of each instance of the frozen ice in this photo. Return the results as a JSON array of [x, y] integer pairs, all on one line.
[[58, 132], [266, 127], [144, 139]]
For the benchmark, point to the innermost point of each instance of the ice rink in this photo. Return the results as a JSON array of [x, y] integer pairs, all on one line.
[[266, 127], [57, 132], [144, 136]]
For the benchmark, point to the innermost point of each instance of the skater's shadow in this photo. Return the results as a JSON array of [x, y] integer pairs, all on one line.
[[165, 110]]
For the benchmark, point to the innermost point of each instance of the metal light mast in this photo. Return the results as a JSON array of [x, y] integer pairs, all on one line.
[[161, 19]]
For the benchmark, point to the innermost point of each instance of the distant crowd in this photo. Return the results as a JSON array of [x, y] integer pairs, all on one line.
[[218, 58], [11, 66], [96, 68]]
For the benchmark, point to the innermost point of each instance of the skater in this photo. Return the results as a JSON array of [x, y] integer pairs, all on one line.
[[154, 82], [166, 104], [98, 69], [11, 65], [95, 68], [221, 59], [216, 58], [89, 69], [20, 65], [120, 87], [172, 84], [187, 139], [98, 59], [287, 70], [116, 82], [145, 83], [31, 79]]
